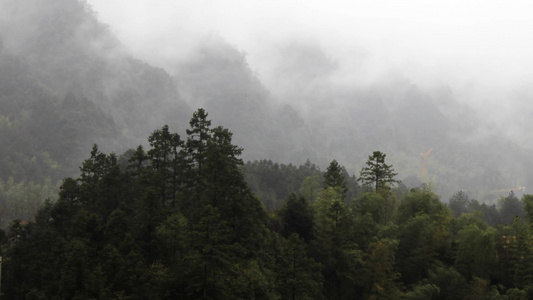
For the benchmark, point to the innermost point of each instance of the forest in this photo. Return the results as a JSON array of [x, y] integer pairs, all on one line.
[[179, 221], [303, 190]]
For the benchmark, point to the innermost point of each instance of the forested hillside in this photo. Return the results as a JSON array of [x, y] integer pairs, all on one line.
[[178, 221], [376, 189], [68, 83], [65, 84], [306, 115]]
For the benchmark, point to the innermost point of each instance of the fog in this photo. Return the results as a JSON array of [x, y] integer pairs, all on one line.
[[103, 91], [445, 42], [479, 49], [292, 80], [471, 59]]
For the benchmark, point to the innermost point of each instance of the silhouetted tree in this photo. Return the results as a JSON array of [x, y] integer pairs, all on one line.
[[377, 174]]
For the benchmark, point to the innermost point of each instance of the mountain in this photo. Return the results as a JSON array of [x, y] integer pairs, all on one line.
[[66, 83], [70, 61], [305, 113]]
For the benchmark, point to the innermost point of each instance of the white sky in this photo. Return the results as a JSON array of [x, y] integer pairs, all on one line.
[[453, 42]]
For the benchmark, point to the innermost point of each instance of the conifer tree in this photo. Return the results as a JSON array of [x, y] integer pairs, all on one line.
[[137, 162], [297, 217], [166, 162], [335, 248], [196, 143], [377, 174], [298, 275], [334, 178]]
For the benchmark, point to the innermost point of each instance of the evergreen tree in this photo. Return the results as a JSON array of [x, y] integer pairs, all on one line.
[[459, 203], [510, 207], [297, 217], [424, 237], [166, 162], [310, 187], [137, 162], [180, 222], [334, 247], [528, 208], [334, 178], [514, 244], [196, 143], [298, 275], [377, 174]]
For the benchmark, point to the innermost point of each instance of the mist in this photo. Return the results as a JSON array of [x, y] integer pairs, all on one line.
[[276, 186], [444, 42], [292, 81], [455, 70], [477, 49]]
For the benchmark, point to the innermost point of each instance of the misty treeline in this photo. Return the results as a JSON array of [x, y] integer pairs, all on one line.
[[184, 218], [179, 221], [67, 83]]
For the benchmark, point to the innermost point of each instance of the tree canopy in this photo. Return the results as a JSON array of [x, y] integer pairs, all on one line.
[[180, 221], [334, 178]]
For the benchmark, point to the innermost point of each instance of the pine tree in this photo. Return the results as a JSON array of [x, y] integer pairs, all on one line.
[[298, 275], [377, 174], [334, 247], [297, 217], [196, 143], [334, 178], [166, 162], [137, 162]]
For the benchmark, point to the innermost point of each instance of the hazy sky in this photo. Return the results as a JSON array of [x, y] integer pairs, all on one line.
[[460, 43]]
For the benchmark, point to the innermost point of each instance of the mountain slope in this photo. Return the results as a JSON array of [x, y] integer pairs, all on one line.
[[68, 83], [65, 84]]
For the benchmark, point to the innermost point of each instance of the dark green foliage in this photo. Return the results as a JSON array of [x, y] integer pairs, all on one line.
[[528, 207], [451, 284], [381, 279], [116, 231], [381, 208], [178, 221], [459, 203], [514, 246], [420, 201], [424, 234], [335, 248], [166, 159], [510, 208], [181, 219], [297, 217], [489, 213], [422, 291], [272, 182], [334, 177], [476, 252], [298, 275], [377, 174]]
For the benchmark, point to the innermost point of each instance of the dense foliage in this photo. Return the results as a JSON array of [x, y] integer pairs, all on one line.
[[67, 83], [179, 221], [187, 219], [272, 182]]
